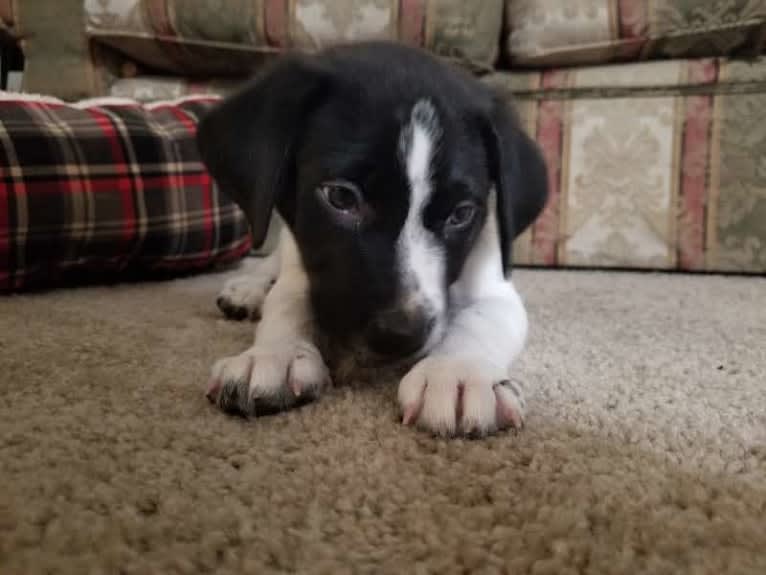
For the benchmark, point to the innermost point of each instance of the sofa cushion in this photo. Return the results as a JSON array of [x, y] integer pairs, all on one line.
[[656, 165], [197, 37], [153, 88], [110, 188], [552, 32]]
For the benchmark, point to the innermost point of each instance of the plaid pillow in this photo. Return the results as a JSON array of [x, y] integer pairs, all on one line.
[[109, 187]]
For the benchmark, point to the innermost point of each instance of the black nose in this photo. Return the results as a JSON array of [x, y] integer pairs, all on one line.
[[399, 332]]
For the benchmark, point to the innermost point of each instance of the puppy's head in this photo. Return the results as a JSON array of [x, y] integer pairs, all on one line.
[[381, 161]]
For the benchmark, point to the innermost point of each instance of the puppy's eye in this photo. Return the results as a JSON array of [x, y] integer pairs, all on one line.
[[461, 217], [343, 197]]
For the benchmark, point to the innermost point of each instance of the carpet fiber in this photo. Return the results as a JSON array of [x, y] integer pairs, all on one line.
[[644, 452]]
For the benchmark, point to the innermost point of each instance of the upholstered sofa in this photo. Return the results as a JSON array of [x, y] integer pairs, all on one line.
[[651, 114]]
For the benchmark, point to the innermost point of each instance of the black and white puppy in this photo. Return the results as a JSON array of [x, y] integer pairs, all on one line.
[[402, 182]]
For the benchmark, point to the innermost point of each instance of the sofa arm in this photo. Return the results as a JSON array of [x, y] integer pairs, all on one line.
[[58, 57]]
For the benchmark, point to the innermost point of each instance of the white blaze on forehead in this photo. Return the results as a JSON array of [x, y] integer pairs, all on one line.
[[421, 258], [422, 135]]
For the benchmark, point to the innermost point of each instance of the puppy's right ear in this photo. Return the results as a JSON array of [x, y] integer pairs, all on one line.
[[248, 141]]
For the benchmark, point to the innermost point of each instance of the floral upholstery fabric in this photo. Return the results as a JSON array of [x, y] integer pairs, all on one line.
[[657, 165], [654, 165], [551, 32], [215, 37], [656, 162]]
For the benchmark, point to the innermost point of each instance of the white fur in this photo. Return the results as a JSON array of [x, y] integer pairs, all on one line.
[[420, 257], [284, 362], [456, 388], [248, 291], [286, 312], [463, 385]]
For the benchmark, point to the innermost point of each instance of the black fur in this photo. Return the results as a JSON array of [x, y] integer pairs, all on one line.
[[339, 114], [248, 143]]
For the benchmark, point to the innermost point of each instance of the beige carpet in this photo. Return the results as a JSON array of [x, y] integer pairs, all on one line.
[[645, 450]]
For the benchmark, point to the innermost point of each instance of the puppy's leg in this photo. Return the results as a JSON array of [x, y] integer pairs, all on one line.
[[243, 296], [284, 367], [463, 385]]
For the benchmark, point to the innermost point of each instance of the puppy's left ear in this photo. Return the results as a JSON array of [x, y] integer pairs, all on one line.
[[248, 141], [519, 173]]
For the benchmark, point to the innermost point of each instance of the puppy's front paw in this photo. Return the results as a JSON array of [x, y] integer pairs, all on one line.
[[243, 296], [268, 379], [451, 396]]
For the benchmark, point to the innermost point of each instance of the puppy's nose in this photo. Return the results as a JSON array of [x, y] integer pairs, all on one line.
[[400, 333]]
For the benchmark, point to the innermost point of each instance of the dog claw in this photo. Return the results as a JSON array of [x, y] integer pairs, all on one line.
[[212, 390], [410, 414], [507, 414]]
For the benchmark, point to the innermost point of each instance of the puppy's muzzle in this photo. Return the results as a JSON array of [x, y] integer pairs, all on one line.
[[400, 333]]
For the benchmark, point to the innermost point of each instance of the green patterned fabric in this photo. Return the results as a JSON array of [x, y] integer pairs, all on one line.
[[657, 162], [202, 37], [740, 226], [654, 165], [556, 33]]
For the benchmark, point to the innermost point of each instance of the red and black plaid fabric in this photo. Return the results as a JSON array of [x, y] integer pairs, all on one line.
[[109, 186]]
